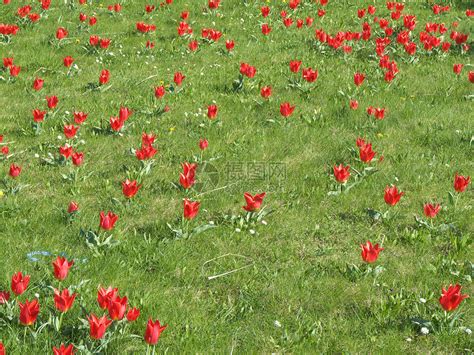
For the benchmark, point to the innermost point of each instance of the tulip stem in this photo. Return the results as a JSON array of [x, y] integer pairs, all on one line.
[[24, 335], [60, 321]]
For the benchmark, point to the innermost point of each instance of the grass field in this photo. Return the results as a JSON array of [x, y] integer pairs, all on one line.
[[288, 278]]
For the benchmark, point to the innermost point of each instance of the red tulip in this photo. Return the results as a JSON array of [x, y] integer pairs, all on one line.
[[73, 207], [68, 61], [266, 92], [130, 188], [354, 104], [116, 124], [4, 297], [38, 115], [379, 113], [366, 153], [461, 182], [107, 221], [82, 17], [359, 79], [191, 209], [392, 195], [70, 131], [229, 45], [295, 66], [14, 171], [61, 267], [38, 84], [248, 70], [310, 75], [451, 298], [148, 139], [94, 40], [77, 158], [214, 4], [370, 253], [19, 283], [371, 9], [5, 150], [125, 113], [104, 77], [286, 109], [117, 307], [61, 33], [98, 326], [2, 347], [193, 46], [178, 78], [266, 29], [28, 312], [52, 101], [153, 331], [431, 210], [187, 177], [133, 314], [145, 152], [471, 76], [184, 15], [63, 350], [80, 117], [66, 151], [203, 144], [457, 68], [253, 202], [104, 43], [160, 92], [265, 10], [341, 173], [212, 111], [63, 301], [105, 295]]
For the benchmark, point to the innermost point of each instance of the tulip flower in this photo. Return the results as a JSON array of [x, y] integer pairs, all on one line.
[[67, 61], [359, 79], [80, 117], [265, 10], [191, 209], [61, 267], [212, 111], [229, 45], [366, 153], [130, 188], [457, 68], [104, 77], [117, 307], [70, 131], [341, 173], [73, 207], [266, 92], [38, 115], [98, 326], [28, 312], [116, 124], [66, 151], [133, 314], [178, 78], [19, 283], [310, 75], [392, 195], [451, 298], [461, 182], [61, 33], [107, 221], [266, 29], [105, 295], [248, 70], [63, 300], [38, 84], [286, 109], [4, 297], [77, 158], [203, 144], [63, 350], [471, 76], [295, 66], [52, 101], [430, 210], [153, 331], [187, 177], [253, 202], [160, 92], [354, 104], [2, 349], [370, 253], [14, 171]]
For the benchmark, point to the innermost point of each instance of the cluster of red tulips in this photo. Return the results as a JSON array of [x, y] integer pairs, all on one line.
[[118, 308]]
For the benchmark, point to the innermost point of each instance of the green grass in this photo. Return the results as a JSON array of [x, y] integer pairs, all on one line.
[[297, 292]]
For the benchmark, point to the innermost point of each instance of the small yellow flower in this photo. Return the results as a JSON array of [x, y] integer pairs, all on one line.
[[78, 40], [379, 135], [172, 129], [1, 193]]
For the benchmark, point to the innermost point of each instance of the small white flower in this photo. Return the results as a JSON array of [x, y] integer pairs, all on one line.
[[468, 331], [237, 230], [252, 231], [409, 340], [211, 222], [264, 222], [277, 324], [422, 300], [425, 331]]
